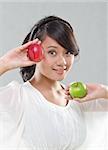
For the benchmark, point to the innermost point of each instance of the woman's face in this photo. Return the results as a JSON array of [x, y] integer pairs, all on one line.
[[56, 63]]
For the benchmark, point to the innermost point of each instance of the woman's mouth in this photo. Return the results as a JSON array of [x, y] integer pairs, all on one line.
[[60, 71]]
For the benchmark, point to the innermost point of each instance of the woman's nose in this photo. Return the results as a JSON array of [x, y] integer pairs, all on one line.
[[61, 61]]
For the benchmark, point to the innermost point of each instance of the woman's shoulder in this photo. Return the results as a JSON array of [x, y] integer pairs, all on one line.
[[12, 84], [10, 95]]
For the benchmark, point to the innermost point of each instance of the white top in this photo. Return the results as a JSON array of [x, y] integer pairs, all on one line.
[[29, 122]]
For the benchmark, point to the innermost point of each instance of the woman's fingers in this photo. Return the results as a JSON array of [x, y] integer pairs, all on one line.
[[67, 94], [25, 46], [28, 63]]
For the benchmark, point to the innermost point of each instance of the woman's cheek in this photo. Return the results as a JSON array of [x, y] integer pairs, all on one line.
[[70, 63], [48, 61]]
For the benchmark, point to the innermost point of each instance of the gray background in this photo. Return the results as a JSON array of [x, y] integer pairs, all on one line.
[[89, 20]]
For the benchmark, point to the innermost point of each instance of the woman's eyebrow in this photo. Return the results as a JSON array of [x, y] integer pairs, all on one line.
[[52, 47]]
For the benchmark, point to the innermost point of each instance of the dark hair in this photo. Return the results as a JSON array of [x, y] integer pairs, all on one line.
[[56, 28]]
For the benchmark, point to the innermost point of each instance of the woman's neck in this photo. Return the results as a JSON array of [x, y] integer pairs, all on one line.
[[51, 90], [45, 83]]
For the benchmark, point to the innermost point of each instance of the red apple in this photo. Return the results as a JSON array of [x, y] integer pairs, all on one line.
[[35, 52]]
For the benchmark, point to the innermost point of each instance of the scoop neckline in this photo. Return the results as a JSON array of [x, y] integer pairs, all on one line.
[[45, 100]]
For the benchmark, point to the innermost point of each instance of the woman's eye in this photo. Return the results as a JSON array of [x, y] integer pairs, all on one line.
[[69, 53], [52, 53]]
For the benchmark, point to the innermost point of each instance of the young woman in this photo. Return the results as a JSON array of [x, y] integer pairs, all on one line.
[[39, 114]]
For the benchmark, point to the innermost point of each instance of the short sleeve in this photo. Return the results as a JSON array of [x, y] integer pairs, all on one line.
[[11, 112], [95, 105], [96, 119], [9, 96]]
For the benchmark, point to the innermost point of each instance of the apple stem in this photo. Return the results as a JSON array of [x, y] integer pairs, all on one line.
[[76, 84]]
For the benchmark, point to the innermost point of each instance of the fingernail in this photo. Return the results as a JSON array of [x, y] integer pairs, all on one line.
[[35, 40]]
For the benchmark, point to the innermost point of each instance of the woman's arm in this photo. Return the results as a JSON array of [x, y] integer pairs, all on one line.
[[96, 91], [16, 57]]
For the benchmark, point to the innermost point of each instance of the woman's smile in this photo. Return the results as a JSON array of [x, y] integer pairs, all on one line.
[[60, 71]]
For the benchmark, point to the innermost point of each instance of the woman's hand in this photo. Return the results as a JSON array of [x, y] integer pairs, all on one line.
[[17, 57], [95, 91]]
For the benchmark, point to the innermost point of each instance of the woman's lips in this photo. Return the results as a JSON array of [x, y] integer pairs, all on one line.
[[60, 71]]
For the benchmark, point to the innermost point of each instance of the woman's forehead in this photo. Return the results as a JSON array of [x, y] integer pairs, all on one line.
[[49, 41]]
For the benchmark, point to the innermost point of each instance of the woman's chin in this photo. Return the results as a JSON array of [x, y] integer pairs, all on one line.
[[60, 78]]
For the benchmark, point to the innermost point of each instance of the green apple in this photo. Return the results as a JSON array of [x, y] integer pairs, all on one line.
[[77, 90]]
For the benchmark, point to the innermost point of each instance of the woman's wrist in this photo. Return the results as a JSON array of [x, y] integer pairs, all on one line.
[[106, 91], [3, 66]]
